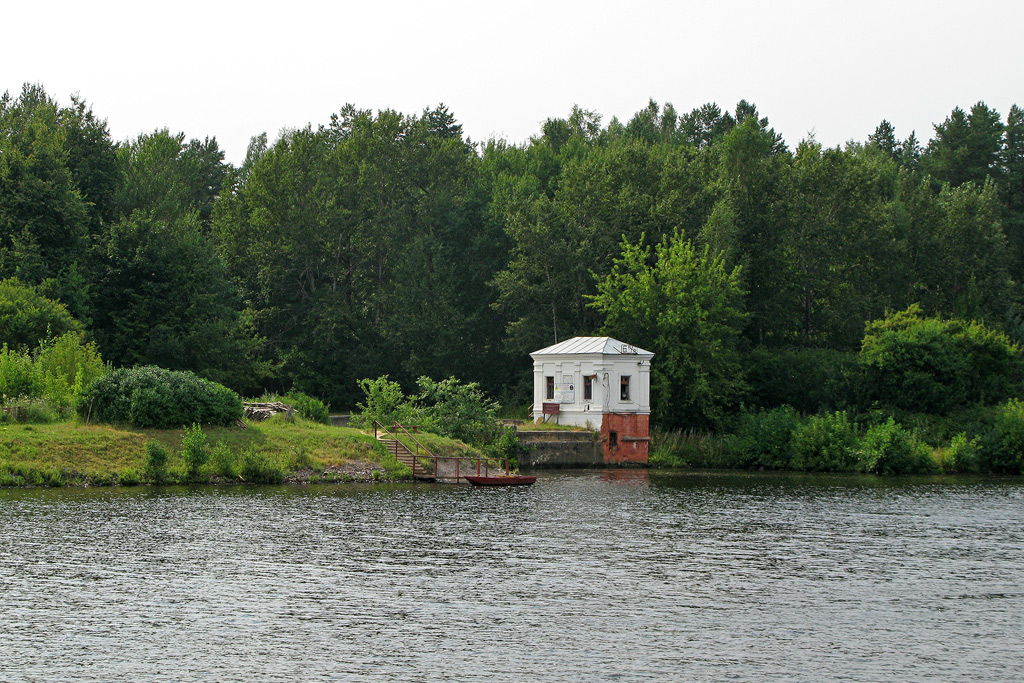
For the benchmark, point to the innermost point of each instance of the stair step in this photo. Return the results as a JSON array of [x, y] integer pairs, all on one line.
[[404, 456]]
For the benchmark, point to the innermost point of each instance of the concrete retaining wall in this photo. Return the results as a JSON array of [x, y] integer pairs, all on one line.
[[561, 448]]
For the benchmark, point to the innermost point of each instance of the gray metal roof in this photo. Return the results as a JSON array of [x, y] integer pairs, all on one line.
[[583, 345]]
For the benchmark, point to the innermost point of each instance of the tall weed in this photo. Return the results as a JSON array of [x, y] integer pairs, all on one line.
[[687, 449]]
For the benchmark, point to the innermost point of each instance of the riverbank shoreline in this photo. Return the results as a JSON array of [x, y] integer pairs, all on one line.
[[278, 450]]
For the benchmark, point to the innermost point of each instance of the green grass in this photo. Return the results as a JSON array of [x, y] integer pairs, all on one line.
[[439, 445], [69, 453], [550, 427]]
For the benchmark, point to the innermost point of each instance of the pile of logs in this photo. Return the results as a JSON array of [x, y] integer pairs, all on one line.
[[261, 411]]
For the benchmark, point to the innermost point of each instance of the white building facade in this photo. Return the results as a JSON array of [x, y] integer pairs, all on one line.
[[598, 383]]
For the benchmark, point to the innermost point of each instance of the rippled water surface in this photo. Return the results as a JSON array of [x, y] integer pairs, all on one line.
[[597, 576]]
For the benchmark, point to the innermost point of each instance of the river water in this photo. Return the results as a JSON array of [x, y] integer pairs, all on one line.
[[592, 576]]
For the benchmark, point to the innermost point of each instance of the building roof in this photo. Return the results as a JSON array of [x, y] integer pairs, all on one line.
[[582, 345]]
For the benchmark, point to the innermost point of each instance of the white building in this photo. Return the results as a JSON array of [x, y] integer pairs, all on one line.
[[600, 383]]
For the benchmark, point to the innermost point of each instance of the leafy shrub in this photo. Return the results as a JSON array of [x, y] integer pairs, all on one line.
[[934, 365], [962, 454], [151, 397], [888, 448], [449, 408], [194, 451], [313, 409], [385, 402], [456, 410], [507, 446], [259, 468], [825, 443], [19, 377], [156, 461], [223, 460], [937, 429], [1002, 448], [763, 438], [66, 366]]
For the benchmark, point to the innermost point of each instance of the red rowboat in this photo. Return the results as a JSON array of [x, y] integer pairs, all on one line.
[[510, 480]]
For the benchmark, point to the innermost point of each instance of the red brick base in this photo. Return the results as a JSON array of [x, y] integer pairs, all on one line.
[[631, 441]]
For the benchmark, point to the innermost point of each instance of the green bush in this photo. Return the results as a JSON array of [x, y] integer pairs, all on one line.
[[156, 462], [962, 454], [152, 397], [762, 439], [507, 447], [194, 451], [448, 408], [313, 409], [129, 477], [259, 468], [456, 410], [66, 366], [1002, 448], [938, 429], [223, 460], [385, 402], [19, 377], [934, 366], [887, 448], [825, 443]]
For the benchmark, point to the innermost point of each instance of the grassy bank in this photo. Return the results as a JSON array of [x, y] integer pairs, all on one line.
[[276, 450]]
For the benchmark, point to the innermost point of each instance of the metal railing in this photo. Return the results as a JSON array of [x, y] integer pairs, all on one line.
[[482, 468]]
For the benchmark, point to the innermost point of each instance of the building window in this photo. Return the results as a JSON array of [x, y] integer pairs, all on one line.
[[549, 391], [624, 388], [588, 387], [613, 439]]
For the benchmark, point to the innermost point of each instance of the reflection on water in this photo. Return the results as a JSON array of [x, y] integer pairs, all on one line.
[[616, 575]]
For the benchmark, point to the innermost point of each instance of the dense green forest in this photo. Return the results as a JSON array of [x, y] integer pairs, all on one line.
[[389, 243]]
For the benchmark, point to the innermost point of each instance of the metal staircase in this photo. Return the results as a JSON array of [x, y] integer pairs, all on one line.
[[425, 465], [402, 453]]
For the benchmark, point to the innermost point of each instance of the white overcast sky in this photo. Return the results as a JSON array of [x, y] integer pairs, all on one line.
[[234, 69]]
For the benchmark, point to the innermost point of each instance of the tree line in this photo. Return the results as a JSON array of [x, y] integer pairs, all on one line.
[[388, 243]]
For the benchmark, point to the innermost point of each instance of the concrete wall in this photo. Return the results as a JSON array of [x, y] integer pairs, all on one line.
[[565, 448], [561, 449]]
